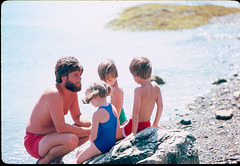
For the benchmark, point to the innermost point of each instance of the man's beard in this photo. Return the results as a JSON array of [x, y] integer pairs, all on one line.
[[72, 87]]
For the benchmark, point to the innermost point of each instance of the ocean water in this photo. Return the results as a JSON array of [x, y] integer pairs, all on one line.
[[34, 35]]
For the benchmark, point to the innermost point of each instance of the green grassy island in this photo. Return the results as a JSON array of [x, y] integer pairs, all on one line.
[[167, 17]]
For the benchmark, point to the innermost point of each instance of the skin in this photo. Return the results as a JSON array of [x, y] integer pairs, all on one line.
[[145, 97], [47, 119], [117, 93], [100, 116]]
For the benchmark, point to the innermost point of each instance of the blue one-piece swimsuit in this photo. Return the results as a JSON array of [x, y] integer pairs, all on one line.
[[106, 136]]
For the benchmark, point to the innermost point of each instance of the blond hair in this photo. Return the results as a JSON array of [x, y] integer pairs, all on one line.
[[141, 66], [107, 67], [96, 89]]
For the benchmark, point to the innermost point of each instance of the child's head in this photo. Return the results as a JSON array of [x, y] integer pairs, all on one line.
[[141, 66], [107, 69], [96, 89]]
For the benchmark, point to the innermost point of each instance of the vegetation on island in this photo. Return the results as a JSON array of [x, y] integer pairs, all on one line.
[[167, 17]]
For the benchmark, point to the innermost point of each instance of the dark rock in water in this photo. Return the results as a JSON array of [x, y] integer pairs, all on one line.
[[157, 79], [185, 121], [152, 146], [219, 81], [224, 114]]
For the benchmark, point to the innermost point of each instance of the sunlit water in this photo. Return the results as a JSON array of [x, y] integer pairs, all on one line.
[[36, 34]]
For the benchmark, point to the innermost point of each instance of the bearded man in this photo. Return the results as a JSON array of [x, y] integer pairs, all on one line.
[[48, 137]]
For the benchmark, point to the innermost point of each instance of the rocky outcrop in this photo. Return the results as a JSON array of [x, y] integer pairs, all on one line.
[[233, 18], [157, 79], [152, 146]]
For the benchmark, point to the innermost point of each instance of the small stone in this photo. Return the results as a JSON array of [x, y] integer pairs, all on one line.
[[224, 114], [236, 95], [221, 126], [185, 121], [219, 81]]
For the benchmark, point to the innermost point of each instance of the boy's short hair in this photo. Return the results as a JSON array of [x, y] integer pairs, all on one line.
[[141, 66], [107, 67], [65, 66]]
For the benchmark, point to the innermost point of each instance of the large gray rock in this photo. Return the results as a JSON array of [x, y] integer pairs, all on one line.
[[152, 146]]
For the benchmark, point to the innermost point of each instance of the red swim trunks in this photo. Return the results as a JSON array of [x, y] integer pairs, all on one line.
[[127, 126], [31, 142]]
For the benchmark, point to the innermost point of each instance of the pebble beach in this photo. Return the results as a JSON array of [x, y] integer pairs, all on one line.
[[218, 136]]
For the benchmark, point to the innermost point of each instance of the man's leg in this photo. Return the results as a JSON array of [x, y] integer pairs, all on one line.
[[82, 140], [54, 146]]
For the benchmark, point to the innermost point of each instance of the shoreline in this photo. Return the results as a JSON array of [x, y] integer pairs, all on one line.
[[218, 141]]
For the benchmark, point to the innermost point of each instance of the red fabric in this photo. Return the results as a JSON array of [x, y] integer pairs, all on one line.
[[127, 126], [31, 142]]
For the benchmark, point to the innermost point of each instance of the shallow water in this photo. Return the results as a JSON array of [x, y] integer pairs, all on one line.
[[36, 34]]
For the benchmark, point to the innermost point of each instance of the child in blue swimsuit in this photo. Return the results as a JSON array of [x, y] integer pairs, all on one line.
[[104, 122]]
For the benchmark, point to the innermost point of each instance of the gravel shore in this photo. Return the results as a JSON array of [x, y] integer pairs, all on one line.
[[218, 141]]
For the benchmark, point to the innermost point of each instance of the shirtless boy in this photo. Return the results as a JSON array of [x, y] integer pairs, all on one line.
[[48, 138], [145, 98], [108, 73]]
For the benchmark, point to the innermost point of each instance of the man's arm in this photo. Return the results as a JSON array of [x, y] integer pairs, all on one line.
[[76, 114], [55, 105], [136, 109]]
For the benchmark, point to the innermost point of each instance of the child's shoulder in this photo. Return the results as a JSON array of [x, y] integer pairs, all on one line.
[[154, 84], [118, 90], [138, 90], [100, 112]]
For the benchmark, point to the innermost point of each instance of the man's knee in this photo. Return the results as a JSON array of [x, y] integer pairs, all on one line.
[[71, 141]]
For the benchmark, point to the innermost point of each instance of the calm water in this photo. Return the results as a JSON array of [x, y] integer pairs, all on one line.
[[36, 34]]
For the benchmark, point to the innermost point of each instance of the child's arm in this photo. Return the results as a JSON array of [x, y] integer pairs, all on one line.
[[136, 109], [117, 100], [159, 109], [95, 123]]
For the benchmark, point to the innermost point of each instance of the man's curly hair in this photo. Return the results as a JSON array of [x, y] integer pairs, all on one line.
[[65, 66]]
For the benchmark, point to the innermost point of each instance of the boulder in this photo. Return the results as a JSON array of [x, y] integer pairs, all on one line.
[[152, 146], [157, 79]]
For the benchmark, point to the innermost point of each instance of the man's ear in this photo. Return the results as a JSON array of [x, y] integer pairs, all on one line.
[[64, 78]]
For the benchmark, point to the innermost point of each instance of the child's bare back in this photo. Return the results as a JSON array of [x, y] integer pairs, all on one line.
[[149, 96], [145, 98]]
